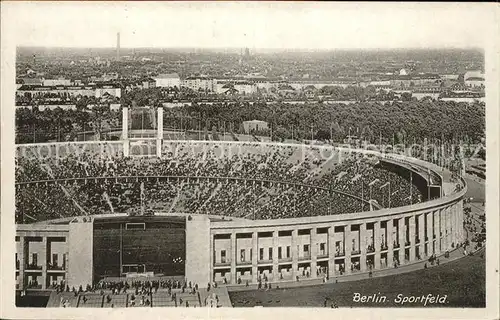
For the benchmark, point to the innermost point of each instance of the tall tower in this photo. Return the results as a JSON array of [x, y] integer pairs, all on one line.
[[118, 46]]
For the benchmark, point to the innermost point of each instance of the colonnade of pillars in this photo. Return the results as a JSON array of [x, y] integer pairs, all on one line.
[[37, 263], [350, 246]]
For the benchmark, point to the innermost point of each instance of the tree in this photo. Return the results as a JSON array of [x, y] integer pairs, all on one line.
[[406, 96], [322, 134], [215, 135]]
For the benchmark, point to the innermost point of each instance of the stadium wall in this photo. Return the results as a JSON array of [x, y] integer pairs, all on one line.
[[382, 237], [281, 249]]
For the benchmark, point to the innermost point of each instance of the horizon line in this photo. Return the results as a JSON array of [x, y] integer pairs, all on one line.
[[260, 48]]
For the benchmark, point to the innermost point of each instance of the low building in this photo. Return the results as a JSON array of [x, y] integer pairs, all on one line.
[[168, 80], [30, 81], [473, 73], [56, 82], [114, 91], [31, 91], [199, 83], [242, 87], [474, 82], [255, 125], [449, 77]]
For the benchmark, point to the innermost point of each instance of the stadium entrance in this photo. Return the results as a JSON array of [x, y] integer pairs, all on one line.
[[139, 246]]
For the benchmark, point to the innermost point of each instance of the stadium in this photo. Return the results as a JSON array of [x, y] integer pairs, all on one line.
[[95, 214]]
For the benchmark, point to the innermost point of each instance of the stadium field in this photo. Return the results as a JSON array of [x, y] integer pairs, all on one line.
[[463, 281]]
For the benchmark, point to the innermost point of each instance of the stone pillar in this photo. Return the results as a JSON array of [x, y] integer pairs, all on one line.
[[275, 255], [430, 230], [160, 123], [295, 253], [401, 237], [347, 248], [314, 252], [232, 258], [451, 225], [421, 235], [21, 255], [413, 242], [255, 249], [456, 237], [437, 233], [459, 223], [362, 246], [442, 221], [331, 251], [43, 260], [453, 218], [126, 142], [199, 251], [212, 258], [448, 228], [159, 129], [377, 243], [390, 244], [451, 213], [461, 232]]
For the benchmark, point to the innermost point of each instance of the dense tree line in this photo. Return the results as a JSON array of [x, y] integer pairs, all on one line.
[[34, 125], [398, 122], [404, 121]]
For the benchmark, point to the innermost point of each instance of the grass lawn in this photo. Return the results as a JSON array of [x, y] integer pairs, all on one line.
[[463, 282]]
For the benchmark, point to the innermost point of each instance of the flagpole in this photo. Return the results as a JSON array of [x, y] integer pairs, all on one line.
[[429, 186], [411, 186], [121, 249], [383, 199], [362, 197], [389, 194]]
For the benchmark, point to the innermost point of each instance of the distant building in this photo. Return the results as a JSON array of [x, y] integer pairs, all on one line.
[[473, 74], [254, 125], [449, 76], [474, 79], [56, 82], [243, 87], [474, 82], [400, 81], [145, 83], [97, 91], [30, 81], [111, 90], [168, 80], [199, 83]]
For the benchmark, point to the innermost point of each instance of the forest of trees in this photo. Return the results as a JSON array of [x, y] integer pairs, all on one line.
[[411, 121], [398, 122]]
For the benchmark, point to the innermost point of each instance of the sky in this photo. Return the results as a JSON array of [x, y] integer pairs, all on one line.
[[306, 25]]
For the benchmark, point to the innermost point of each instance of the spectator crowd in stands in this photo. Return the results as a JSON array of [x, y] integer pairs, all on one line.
[[240, 180]]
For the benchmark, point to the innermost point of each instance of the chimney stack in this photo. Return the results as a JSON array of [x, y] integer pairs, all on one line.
[[118, 46]]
